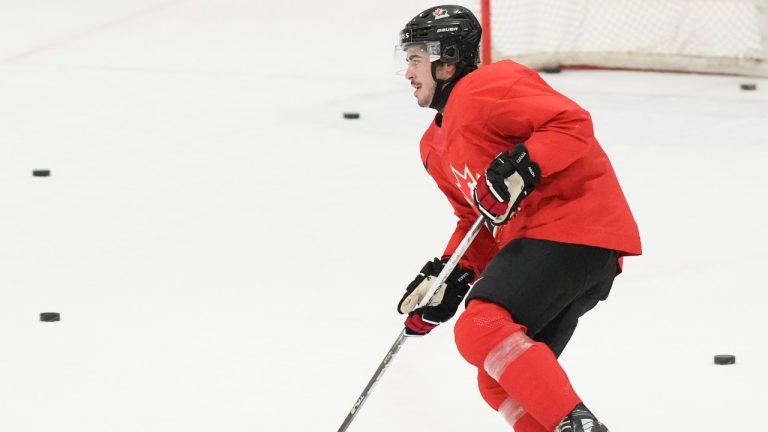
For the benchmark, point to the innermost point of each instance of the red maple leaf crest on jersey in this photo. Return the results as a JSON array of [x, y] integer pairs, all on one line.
[[466, 182]]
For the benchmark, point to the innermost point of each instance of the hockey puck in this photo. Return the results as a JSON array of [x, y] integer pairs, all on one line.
[[351, 115], [749, 86], [725, 359], [50, 316], [41, 173], [551, 69]]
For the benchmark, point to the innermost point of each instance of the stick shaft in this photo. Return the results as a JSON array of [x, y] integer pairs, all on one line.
[[372, 383]]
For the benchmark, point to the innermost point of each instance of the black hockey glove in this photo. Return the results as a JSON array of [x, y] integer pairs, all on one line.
[[443, 304], [509, 179]]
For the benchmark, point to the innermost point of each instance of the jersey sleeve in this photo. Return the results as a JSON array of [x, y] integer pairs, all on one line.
[[556, 130]]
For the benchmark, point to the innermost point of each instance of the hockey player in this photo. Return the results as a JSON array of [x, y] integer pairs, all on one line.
[[504, 144]]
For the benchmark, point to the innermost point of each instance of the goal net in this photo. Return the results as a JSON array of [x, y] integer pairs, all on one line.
[[709, 36]]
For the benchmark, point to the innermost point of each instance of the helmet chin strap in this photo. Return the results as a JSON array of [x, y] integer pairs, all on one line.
[[444, 87]]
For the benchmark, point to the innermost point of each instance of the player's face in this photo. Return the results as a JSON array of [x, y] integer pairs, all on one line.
[[419, 73]]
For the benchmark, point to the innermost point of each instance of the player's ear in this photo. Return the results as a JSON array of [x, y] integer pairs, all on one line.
[[446, 70]]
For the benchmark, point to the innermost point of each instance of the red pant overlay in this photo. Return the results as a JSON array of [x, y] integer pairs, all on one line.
[[512, 366]]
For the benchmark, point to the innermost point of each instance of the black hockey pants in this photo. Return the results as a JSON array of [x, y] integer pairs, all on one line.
[[547, 285]]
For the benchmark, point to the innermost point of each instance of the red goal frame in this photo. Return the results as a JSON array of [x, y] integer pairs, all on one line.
[[485, 22]]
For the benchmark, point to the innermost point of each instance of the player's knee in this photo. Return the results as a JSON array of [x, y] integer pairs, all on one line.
[[482, 328], [493, 394]]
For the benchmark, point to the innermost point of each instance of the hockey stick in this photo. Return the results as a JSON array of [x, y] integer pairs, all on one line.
[[447, 269]]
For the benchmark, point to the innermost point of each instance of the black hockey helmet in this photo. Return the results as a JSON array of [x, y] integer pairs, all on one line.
[[451, 33]]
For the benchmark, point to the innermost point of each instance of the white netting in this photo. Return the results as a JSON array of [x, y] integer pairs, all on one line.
[[726, 36]]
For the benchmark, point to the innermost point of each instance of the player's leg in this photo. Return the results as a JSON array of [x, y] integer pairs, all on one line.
[[558, 332], [499, 400], [528, 371], [541, 283]]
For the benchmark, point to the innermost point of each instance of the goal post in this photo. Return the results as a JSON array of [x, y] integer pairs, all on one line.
[[704, 36]]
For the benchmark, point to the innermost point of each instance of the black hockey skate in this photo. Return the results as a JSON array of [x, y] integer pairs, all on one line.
[[581, 420]]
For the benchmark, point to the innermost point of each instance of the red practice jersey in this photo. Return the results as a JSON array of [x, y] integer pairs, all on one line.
[[578, 200]]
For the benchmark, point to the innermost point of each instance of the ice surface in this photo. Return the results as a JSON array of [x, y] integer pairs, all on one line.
[[226, 251]]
